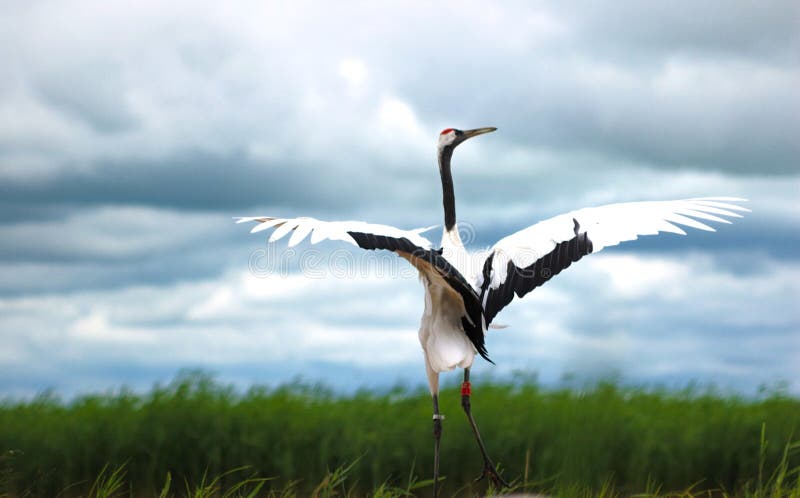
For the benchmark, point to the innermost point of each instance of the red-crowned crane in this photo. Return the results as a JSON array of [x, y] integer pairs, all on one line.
[[463, 294]]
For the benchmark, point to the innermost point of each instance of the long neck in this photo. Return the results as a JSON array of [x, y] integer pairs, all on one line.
[[448, 195]]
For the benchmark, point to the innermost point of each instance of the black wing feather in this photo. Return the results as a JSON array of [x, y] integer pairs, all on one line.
[[474, 322], [520, 281]]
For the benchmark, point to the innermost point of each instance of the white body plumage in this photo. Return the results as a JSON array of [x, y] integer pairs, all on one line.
[[441, 335]]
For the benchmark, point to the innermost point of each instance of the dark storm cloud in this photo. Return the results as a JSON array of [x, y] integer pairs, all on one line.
[[203, 181], [670, 86], [737, 29], [92, 94], [194, 180], [159, 269], [682, 115]]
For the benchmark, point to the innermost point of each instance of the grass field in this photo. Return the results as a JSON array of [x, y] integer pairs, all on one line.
[[196, 437]]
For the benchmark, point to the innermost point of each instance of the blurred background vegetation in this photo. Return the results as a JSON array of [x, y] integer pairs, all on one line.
[[546, 439]]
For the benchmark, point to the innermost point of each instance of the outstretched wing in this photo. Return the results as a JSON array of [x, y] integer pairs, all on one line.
[[408, 244], [301, 228], [527, 259]]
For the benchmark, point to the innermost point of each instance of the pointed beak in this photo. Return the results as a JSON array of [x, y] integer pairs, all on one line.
[[478, 131]]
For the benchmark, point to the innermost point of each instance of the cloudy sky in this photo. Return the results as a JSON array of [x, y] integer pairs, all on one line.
[[130, 134]]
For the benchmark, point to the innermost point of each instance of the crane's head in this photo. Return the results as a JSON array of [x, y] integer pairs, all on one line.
[[451, 137]]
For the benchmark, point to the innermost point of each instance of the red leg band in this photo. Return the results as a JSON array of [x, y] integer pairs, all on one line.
[[466, 389]]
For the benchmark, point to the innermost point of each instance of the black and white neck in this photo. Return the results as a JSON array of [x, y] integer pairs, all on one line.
[[448, 192], [449, 139]]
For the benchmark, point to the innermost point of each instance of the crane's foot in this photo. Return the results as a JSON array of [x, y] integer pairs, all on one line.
[[494, 477]]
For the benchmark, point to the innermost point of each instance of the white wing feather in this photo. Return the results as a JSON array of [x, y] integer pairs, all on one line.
[[329, 230], [607, 226]]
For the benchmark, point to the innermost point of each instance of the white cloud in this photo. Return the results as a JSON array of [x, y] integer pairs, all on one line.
[[611, 313], [354, 71], [95, 327], [633, 277], [698, 322], [396, 115]]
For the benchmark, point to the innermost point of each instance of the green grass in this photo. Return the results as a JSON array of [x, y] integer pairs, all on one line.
[[198, 438]]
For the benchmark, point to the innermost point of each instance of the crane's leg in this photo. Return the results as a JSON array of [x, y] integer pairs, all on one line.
[[433, 383], [488, 467], [437, 436]]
